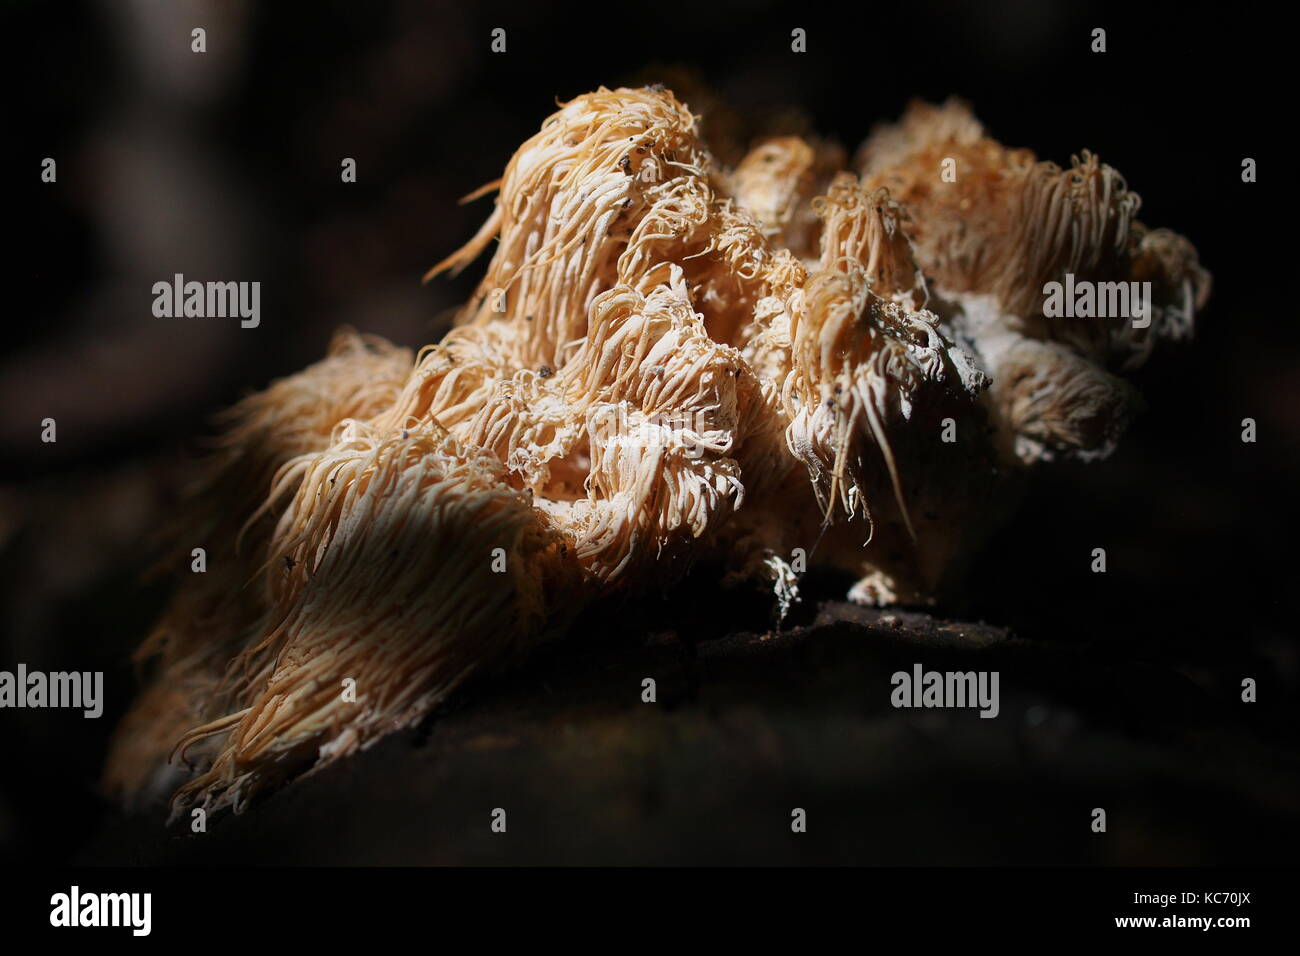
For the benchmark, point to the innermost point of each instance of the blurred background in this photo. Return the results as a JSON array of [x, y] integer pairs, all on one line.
[[226, 165]]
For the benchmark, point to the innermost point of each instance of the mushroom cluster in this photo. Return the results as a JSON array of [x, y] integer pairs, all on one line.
[[666, 360]]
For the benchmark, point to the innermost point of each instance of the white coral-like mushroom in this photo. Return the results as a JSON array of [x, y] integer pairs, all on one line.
[[665, 359]]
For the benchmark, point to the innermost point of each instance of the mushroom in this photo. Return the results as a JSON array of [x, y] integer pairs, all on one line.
[[664, 359]]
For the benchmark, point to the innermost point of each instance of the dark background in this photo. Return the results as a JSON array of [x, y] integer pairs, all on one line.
[[227, 165]]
